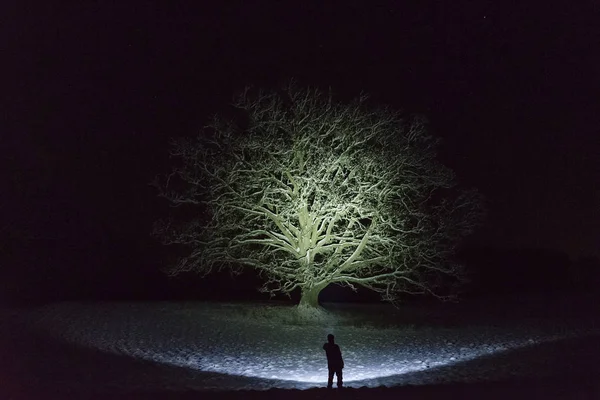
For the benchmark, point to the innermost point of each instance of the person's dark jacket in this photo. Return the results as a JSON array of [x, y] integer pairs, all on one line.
[[334, 356]]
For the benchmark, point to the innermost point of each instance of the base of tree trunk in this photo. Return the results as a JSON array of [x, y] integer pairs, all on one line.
[[311, 314], [310, 297]]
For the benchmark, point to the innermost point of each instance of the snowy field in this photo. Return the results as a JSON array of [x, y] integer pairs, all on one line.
[[127, 347]]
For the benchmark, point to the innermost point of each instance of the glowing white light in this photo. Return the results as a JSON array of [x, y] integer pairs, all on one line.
[[256, 368]]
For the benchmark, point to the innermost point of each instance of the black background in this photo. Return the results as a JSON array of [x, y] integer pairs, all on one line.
[[93, 90]]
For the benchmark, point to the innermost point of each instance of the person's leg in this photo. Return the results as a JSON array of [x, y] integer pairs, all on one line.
[[330, 378], [339, 378]]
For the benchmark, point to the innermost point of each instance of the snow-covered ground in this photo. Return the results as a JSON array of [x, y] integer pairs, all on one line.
[[201, 346]]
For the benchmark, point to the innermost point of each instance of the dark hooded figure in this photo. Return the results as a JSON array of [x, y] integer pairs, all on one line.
[[335, 363]]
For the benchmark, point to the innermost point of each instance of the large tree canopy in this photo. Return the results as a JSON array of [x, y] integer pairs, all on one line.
[[310, 192]]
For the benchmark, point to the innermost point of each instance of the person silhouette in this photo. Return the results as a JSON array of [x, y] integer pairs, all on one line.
[[335, 362]]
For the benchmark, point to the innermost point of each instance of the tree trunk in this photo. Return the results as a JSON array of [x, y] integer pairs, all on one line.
[[310, 297]]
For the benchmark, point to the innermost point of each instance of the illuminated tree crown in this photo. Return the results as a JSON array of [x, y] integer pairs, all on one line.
[[310, 192]]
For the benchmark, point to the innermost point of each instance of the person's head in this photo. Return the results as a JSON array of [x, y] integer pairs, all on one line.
[[330, 338]]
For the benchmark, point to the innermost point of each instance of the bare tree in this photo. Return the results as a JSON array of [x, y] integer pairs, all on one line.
[[312, 192]]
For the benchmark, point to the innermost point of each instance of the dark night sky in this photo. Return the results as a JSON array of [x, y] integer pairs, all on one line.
[[92, 92]]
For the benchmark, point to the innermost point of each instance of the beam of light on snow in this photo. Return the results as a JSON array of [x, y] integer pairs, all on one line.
[[279, 353], [319, 376], [274, 368]]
